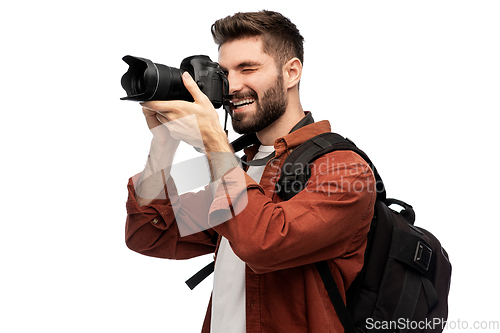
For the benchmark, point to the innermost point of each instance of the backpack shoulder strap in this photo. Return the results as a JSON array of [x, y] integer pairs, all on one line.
[[294, 176], [295, 171]]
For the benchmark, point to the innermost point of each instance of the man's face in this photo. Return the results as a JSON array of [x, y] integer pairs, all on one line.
[[259, 97]]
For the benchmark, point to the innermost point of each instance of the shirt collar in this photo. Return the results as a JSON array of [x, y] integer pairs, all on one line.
[[297, 135]]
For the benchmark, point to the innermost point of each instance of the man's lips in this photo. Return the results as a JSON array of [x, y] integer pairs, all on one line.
[[241, 104]]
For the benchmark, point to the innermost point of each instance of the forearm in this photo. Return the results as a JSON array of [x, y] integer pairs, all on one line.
[[220, 156], [156, 172], [221, 159]]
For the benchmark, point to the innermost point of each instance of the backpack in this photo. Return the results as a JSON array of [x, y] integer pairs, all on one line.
[[405, 280]]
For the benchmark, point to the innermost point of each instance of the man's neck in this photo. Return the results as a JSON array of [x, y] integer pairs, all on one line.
[[280, 127]]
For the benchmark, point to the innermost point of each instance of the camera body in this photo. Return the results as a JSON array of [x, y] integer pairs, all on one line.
[[147, 81]]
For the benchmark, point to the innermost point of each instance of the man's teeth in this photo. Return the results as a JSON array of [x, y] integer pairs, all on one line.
[[243, 102]]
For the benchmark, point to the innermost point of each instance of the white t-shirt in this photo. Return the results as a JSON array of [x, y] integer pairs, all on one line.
[[228, 297]]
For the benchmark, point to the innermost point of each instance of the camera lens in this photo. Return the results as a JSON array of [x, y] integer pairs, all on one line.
[[138, 84], [170, 85], [146, 81]]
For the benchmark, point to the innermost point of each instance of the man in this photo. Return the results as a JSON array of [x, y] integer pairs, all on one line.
[[265, 278]]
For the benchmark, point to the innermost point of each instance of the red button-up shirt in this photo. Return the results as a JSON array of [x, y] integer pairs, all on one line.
[[278, 240]]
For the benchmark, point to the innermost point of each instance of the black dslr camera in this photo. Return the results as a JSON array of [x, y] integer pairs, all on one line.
[[147, 81]]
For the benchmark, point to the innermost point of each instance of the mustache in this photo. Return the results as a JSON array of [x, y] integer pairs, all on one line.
[[249, 94]]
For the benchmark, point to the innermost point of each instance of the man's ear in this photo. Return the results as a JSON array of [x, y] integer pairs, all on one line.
[[292, 72]]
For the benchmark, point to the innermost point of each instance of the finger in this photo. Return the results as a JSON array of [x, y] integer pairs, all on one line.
[[167, 106], [162, 118], [151, 105], [151, 118], [193, 88], [171, 110]]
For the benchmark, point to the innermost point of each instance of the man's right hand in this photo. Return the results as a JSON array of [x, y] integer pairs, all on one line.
[[160, 131]]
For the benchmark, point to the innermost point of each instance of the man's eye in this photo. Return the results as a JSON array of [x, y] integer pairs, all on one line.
[[249, 70]]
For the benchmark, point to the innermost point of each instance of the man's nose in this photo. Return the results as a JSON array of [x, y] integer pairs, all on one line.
[[235, 83]]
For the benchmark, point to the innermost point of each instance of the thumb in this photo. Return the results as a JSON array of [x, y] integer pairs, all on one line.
[[193, 88]]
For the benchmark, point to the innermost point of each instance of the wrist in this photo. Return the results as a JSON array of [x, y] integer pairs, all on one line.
[[218, 143], [220, 155], [220, 163]]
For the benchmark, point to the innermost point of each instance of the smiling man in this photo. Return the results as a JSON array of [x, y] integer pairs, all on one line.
[[265, 278]]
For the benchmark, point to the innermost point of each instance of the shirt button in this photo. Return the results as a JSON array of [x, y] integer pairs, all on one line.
[[155, 221]]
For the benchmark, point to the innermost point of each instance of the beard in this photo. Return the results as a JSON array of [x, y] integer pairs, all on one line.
[[270, 108]]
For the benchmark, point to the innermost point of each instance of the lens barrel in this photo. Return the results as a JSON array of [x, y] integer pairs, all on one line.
[[147, 81]]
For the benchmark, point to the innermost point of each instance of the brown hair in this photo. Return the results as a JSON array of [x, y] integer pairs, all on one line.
[[281, 38]]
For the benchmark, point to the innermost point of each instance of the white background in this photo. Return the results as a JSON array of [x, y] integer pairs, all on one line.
[[414, 84]]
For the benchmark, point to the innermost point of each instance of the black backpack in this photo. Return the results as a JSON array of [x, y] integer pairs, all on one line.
[[404, 283]]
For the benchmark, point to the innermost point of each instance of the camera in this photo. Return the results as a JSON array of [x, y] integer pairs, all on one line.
[[147, 81]]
